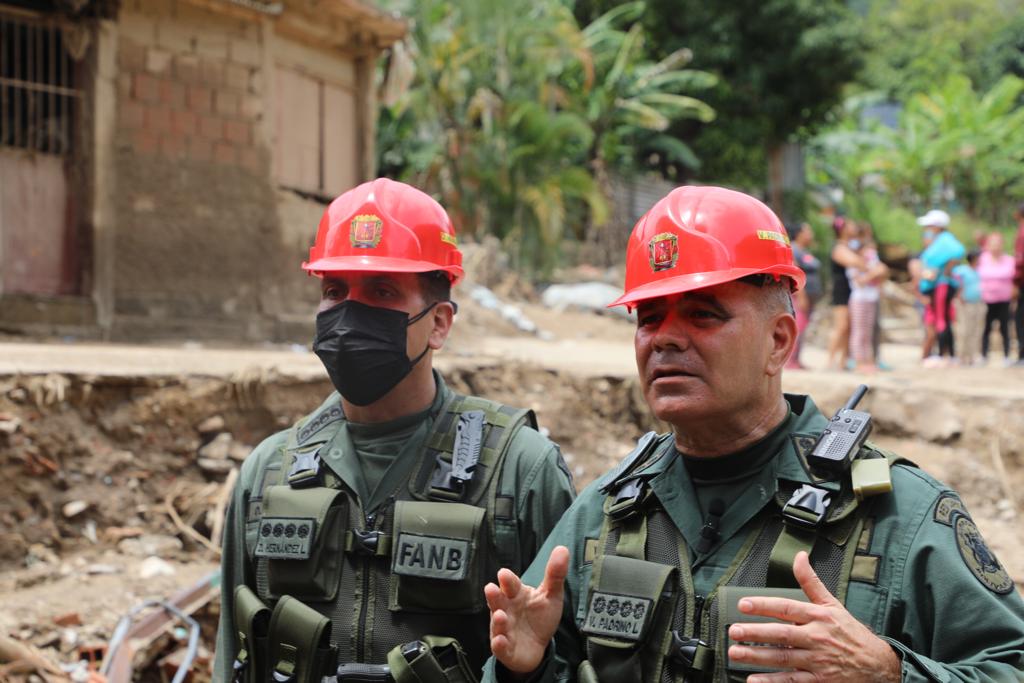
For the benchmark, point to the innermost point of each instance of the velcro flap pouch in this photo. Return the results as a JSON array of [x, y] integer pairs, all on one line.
[[627, 606], [300, 643], [623, 604], [437, 562], [302, 538], [252, 619], [729, 613]]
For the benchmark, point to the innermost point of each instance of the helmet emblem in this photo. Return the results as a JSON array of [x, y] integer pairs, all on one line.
[[366, 231], [663, 251]]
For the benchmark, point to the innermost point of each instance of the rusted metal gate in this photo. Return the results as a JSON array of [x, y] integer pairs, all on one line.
[[38, 107]]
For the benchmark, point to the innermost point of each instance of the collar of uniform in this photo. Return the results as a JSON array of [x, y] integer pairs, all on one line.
[[673, 486], [808, 422], [339, 451]]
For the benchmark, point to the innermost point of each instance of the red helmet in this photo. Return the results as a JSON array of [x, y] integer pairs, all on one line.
[[697, 237], [385, 226]]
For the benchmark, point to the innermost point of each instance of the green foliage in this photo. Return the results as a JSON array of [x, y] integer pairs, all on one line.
[[515, 115], [951, 143], [781, 66], [915, 44]]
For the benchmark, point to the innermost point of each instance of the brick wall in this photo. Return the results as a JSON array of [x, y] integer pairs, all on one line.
[[199, 250], [189, 89]]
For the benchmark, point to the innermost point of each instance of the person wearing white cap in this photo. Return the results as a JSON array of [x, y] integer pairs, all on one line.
[[944, 250]]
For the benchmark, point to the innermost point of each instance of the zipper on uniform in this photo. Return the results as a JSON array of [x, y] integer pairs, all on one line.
[[367, 561], [698, 607]]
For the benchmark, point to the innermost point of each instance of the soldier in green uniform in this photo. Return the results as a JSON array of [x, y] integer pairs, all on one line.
[[740, 547], [359, 540]]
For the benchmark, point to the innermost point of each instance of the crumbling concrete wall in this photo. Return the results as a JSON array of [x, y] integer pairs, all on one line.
[[200, 249]]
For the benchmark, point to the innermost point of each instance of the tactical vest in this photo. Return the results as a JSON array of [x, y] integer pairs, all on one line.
[[415, 567], [642, 619]]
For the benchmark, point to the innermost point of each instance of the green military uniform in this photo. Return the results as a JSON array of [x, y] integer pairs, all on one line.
[[909, 564], [396, 556]]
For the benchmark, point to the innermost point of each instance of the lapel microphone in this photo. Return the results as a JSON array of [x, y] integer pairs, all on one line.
[[709, 532]]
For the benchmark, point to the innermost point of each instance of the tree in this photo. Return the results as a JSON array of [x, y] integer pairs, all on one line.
[[486, 126], [782, 65], [915, 44]]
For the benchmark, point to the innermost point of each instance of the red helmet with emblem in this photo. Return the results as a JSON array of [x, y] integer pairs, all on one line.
[[697, 237], [385, 226]]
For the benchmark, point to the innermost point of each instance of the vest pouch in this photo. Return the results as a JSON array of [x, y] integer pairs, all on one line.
[[729, 613], [434, 659], [252, 619], [300, 644], [437, 558], [628, 618], [302, 538]]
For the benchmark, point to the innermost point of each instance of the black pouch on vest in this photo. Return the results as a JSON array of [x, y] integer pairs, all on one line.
[[729, 613], [437, 562], [301, 535], [629, 612]]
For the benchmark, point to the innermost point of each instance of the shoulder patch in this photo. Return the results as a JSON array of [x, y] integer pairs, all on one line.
[[947, 505], [977, 556]]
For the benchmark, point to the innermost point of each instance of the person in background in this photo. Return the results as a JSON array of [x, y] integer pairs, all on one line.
[[1018, 281], [871, 252], [802, 239], [995, 270], [840, 258], [944, 251], [865, 292], [971, 311]]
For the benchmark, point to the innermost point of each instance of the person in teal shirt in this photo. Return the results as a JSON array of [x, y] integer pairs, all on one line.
[[970, 318], [362, 536], [735, 548]]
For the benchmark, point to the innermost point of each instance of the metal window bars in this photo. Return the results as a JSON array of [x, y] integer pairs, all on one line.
[[38, 96]]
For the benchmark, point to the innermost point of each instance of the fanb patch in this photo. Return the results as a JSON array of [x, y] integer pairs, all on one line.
[[663, 251], [619, 616], [431, 557], [948, 505], [977, 556], [366, 231], [285, 538]]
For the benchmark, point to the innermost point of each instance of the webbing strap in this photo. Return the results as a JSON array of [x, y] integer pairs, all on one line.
[[632, 537], [791, 541]]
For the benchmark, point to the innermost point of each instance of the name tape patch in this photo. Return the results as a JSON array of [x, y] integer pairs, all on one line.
[[618, 616], [286, 538], [431, 557]]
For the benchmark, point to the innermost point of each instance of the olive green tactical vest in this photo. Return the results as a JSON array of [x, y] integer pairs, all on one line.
[[642, 620], [415, 567]]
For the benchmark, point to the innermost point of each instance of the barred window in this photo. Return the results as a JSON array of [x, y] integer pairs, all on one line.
[[37, 85]]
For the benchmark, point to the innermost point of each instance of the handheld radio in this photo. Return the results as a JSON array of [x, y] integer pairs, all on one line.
[[843, 437]]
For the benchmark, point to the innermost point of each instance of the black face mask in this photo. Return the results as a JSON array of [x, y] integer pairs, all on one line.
[[363, 349]]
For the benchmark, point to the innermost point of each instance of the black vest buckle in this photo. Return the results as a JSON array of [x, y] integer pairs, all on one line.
[[692, 654], [365, 542], [807, 506], [305, 471], [628, 499]]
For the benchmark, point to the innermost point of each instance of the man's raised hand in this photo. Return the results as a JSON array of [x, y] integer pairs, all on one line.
[[523, 618]]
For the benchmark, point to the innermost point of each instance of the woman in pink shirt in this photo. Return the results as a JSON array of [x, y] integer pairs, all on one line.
[[995, 269]]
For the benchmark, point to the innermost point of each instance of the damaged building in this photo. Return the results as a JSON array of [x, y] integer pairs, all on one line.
[[164, 163]]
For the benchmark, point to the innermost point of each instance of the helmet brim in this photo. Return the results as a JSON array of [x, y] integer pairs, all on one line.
[[692, 281], [378, 264]]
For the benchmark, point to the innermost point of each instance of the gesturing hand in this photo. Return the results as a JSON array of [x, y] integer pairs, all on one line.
[[821, 642], [523, 618]]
